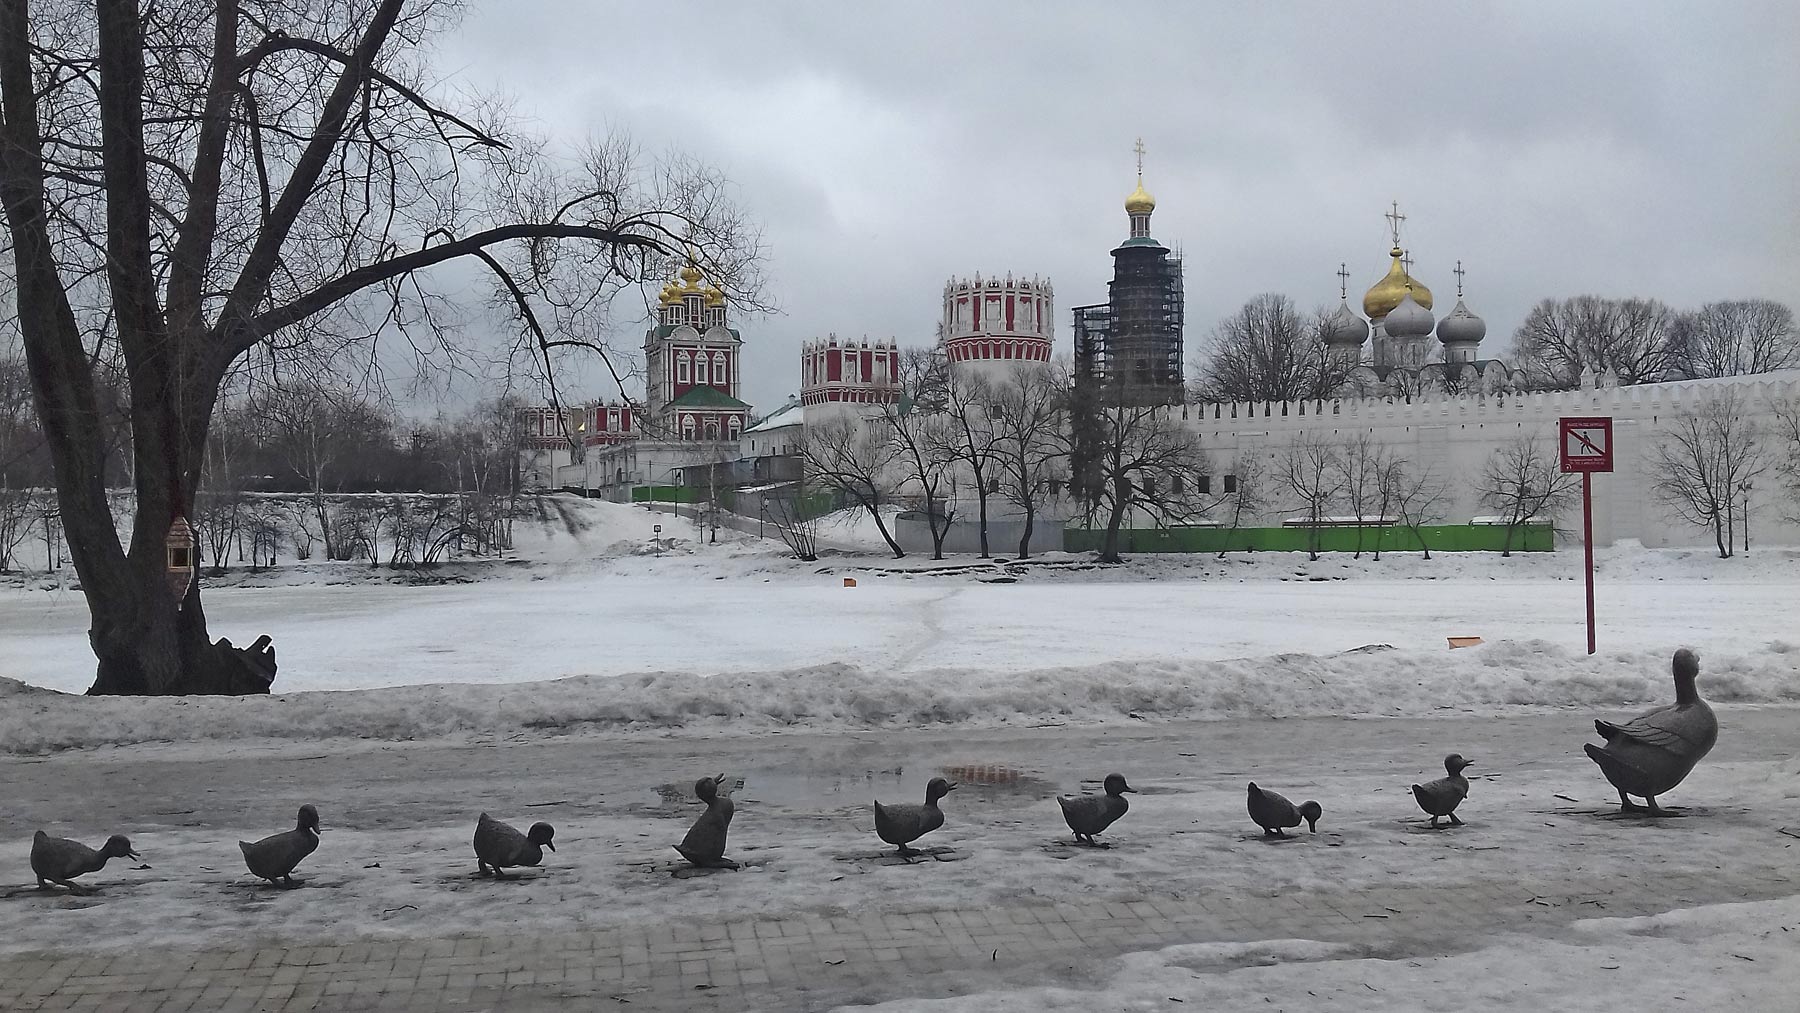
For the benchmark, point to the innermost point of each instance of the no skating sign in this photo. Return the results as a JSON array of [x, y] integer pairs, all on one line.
[[1586, 444]]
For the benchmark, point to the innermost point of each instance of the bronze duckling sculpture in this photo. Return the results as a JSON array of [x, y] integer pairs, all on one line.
[[59, 860], [500, 846], [1653, 752], [1440, 798], [903, 824], [1088, 815], [1273, 812], [275, 857], [704, 845]]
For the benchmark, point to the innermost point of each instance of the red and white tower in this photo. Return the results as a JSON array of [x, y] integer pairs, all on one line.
[[850, 374], [990, 325]]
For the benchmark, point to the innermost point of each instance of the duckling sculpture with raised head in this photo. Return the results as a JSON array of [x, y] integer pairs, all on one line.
[[704, 845], [1088, 815], [902, 824], [1653, 752], [500, 846], [274, 858], [59, 860], [1274, 813], [1440, 798]]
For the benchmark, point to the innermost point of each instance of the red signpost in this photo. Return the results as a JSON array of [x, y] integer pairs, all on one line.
[[1587, 447]]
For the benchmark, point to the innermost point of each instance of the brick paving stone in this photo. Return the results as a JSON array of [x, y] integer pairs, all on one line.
[[806, 959]]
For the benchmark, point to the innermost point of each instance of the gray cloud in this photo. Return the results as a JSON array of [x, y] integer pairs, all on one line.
[[1554, 148]]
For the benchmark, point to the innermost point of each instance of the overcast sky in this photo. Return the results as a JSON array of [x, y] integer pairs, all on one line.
[[1555, 148]]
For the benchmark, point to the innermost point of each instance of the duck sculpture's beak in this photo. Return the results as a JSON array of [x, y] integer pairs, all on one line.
[[134, 856], [953, 786], [549, 845]]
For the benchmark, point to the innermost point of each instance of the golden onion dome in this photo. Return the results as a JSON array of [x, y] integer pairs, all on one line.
[[691, 276], [1387, 293], [714, 297], [1140, 202], [670, 295]]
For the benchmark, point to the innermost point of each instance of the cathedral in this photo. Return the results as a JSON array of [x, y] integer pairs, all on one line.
[[1405, 361]]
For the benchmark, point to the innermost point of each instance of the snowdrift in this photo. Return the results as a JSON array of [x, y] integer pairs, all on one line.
[[1497, 677]]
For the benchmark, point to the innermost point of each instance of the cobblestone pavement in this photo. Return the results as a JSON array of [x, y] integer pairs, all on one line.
[[813, 962]]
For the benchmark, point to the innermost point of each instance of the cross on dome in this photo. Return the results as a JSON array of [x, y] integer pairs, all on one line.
[[1395, 218]]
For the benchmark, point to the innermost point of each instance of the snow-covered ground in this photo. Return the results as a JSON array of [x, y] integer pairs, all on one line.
[[1725, 956], [665, 658], [609, 605]]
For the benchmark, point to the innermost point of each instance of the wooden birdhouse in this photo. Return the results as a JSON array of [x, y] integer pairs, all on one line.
[[179, 544]]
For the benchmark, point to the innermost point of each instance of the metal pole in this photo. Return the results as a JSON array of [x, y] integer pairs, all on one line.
[[1587, 545]]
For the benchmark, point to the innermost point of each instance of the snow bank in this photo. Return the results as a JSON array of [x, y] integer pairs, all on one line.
[[1734, 956], [1494, 678]]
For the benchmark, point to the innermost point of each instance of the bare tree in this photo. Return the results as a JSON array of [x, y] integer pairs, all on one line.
[[1705, 463], [1244, 494], [19, 442], [1030, 447], [1522, 481], [1360, 463], [314, 429], [856, 460], [1267, 351], [188, 184], [973, 436], [1148, 464], [798, 525], [1787, 457], [1735, 338], [1561, 338], [1312, 471], [925, 443], [1416, 494]]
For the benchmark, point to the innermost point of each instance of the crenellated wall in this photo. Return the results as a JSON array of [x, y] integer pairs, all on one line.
[[1454, 436]]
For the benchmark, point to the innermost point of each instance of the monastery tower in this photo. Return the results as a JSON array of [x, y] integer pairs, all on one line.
[[990, 324]]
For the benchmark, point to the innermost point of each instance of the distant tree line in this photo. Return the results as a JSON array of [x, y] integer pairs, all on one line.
[[1270, 351]]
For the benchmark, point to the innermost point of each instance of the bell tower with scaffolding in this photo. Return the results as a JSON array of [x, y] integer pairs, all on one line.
[[1128, 350]]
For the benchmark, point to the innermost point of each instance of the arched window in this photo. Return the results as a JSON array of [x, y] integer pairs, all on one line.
[[687, 427], [681, 367], [719, 378], [712, 429], [700, 368]]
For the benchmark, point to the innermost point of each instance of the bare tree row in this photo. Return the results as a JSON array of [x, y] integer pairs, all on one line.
[[1269, 351]]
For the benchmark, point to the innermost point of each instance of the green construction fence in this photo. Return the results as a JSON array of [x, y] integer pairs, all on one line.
[[1439, 537], [667, 494]]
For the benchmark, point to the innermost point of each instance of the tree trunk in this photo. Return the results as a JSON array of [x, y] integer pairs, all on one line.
[[1719, 537], [1025, 537], [881, 526], [144, 643], [981, 499], [1109, 549]]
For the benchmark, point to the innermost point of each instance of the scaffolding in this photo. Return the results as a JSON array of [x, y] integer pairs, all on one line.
[[1129, 349]]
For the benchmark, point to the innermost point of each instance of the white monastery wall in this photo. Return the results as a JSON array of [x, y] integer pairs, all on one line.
[[1455, 436]]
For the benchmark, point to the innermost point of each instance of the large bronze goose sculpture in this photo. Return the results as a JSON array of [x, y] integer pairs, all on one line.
[[1653, 752]]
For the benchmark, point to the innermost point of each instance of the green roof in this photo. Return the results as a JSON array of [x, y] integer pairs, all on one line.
[[707, 397]]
